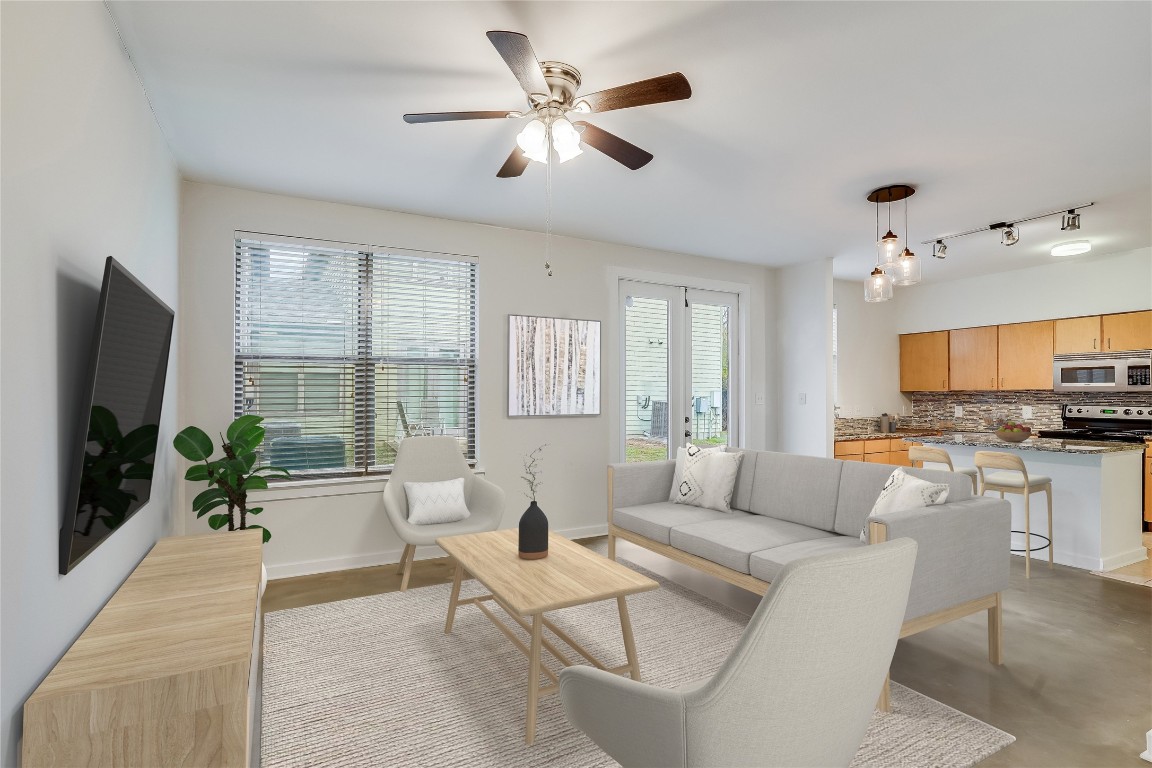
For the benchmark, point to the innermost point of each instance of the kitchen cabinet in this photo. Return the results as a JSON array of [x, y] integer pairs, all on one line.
[[1024, 355], [1128, 330], [972, 359], [849, 450], [1077, 334], [924, 362]]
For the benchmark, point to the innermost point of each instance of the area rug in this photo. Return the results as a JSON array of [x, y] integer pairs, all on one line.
[[374, 682]]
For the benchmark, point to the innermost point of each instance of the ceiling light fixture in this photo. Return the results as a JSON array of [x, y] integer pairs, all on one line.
[[939, 250], [1010, 229], [878, 287], [908, 265], [1072, 248]]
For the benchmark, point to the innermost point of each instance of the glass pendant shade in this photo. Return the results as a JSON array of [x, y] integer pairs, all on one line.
[[907, 269], [534, 141], [889, 251], [878, 287], [565, 139]]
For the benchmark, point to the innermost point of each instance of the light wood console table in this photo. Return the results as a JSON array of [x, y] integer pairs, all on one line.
[[165, 673]]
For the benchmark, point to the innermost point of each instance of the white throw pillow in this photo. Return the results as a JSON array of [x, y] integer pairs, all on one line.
[[434, 503], [688, 478], [902, 492]]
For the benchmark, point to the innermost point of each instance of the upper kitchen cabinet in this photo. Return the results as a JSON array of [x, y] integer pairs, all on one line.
[[1025, 355], [1077, 334], [972, 358], [924, 362], [1130, 330]]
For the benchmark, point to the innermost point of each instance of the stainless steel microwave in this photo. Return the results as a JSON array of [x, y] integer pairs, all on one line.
[[1103, 372]]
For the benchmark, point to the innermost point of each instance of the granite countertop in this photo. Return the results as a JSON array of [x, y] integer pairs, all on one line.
[[989, 440], [877, 435]]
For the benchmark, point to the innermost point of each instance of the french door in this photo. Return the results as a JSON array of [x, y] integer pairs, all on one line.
[[679, 362]]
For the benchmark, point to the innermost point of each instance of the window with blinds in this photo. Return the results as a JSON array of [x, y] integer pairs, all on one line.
[[346, 350]]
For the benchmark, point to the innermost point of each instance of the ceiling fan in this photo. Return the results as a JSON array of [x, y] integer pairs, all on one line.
[[551, 89]]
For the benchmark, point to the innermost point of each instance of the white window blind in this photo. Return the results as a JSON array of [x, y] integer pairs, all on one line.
[[346, 350]]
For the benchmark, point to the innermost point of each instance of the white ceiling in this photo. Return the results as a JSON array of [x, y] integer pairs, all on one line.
[[993, 110]]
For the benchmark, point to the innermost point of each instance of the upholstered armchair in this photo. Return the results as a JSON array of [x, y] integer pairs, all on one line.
[[431, 459], [799, 688]]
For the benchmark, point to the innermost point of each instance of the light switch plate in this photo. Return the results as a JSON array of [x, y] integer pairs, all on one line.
[[957, 411], [1025, 411], [760, 399]]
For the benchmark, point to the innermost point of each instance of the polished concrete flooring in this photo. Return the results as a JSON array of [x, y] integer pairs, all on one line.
[[1075, 688]]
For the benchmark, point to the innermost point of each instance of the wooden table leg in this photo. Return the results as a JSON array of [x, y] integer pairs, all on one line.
[[534, 677], [629, 640], [454, 598]]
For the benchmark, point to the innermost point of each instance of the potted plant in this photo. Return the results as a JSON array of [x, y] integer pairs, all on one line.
[[231, 476]]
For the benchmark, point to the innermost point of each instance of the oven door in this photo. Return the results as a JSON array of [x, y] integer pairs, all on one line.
[[1101, 374]]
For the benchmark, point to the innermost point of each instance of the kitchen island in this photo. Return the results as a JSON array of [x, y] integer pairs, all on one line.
[[1096, 495]]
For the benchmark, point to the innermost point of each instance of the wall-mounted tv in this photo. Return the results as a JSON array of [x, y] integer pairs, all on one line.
[[116, 444]]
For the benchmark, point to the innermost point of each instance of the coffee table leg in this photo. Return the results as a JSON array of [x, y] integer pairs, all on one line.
[[454, 598], [629, 640], [534, 676]]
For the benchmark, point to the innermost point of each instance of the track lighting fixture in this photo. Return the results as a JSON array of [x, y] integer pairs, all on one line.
[[1010, 230], [939, 250], [1010, 235], [1070, 222]]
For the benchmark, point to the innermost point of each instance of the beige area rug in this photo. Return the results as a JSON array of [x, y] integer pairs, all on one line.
[[375, 682]]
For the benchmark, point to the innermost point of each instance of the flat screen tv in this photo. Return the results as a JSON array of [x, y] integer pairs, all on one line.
[[116, 446]]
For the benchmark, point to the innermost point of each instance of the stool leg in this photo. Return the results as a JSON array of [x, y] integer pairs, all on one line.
[[1027, 537], [1048, 491]]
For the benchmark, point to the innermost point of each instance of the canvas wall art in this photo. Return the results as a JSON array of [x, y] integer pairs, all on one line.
[[553, 366]]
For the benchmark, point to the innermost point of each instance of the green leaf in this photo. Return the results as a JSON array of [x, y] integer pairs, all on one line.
[[204, 497], [193, 444], [102, 425], [218, 521], [242, 423], [249, 437], [248, 459], [255, 510], [267, 533], [255, 483], [273, 471], [197, 472], [211, 505], [140, 442], [237, 467], [141, 470]]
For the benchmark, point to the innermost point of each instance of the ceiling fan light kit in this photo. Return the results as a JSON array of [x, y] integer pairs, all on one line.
[[551, 87]]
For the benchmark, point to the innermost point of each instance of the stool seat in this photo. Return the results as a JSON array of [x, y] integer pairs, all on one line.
[[1015, 480]]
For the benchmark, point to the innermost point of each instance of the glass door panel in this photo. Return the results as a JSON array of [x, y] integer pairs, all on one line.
[[710, 398], [646, 367]]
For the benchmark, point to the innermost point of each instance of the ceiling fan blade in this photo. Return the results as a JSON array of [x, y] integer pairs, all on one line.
[[517, 53], [514, 165], [615, 147], [671, 87], [440, 117]]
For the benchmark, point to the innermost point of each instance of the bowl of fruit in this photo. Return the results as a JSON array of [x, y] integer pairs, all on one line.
[[1012, 432]]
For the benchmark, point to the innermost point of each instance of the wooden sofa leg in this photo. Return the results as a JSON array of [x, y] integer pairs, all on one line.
[[884, 703], [611, 547], [996, 632]]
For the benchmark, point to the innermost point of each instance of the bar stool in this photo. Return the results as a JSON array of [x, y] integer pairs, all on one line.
[[1023, 483], [926, 455]]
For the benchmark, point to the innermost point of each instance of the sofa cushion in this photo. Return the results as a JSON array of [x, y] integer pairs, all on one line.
[[861, 483], [730, 541], [655, 521], [766, 565], [799, 489], [742, 495]]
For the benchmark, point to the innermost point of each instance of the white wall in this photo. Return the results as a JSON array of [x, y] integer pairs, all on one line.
[[1067, 288], [330, 532], [868, 384], [804, 358], [87, 174]]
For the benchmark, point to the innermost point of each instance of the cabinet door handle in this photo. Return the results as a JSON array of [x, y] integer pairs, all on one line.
[[1093, 343], [1109, 342]]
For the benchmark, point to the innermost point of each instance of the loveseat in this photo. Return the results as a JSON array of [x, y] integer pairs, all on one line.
[[786, 507]]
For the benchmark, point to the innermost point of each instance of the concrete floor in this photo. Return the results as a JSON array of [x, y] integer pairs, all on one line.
[[1075, 688]]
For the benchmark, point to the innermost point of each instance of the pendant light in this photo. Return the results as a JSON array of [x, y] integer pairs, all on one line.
[[878, 287], [908, 265]]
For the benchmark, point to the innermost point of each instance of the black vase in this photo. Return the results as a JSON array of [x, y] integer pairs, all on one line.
[[533, 533]]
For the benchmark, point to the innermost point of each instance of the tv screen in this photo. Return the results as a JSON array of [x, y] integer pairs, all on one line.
[[116, 447]]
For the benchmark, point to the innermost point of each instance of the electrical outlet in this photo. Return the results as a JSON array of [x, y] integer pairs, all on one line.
[[803, 398], [1025, 411], [760, 399], [957, 411]]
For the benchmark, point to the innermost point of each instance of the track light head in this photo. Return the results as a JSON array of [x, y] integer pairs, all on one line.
[[939, 250], [1010, 235], [1070, 222]]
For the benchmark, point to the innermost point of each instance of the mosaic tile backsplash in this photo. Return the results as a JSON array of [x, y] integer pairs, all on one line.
[[935, 410]]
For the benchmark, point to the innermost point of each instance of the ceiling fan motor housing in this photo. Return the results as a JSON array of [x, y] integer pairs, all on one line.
[[563, 79]]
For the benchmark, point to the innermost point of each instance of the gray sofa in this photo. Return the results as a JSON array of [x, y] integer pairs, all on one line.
[[787, 507]]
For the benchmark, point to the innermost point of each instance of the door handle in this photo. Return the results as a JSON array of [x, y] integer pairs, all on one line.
[[687, 433]]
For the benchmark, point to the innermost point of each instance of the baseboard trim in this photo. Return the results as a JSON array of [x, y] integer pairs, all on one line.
[[391, 556]]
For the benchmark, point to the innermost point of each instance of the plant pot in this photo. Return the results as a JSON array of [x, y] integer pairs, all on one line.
[[533, 533], [1013, 437]]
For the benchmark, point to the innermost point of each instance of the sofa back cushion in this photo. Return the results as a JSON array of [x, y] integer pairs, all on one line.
[[799, 489], [861, 483], [742, 495]]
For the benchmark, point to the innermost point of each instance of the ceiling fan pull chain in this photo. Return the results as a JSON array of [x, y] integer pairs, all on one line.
[[548, 214]]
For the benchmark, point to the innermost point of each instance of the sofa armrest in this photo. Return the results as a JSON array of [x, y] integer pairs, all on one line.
[[633, 484], [963, 551]]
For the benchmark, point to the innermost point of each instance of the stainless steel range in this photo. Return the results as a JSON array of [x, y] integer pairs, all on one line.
[[1109, 423]]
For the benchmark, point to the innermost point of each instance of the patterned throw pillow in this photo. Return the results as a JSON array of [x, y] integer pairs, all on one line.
[[903, 492], [688, 482], [706, 477], [434, 503]]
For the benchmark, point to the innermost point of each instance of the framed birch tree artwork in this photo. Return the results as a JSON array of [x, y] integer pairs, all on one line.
[[553, 366]]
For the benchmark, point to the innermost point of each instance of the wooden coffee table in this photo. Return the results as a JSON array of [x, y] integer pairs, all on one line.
[[570, 575]]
